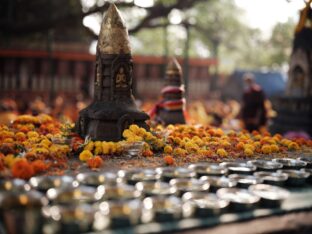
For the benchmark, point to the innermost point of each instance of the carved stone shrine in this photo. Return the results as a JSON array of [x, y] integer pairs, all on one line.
[[295, 108], [171, 108], [113, 108]]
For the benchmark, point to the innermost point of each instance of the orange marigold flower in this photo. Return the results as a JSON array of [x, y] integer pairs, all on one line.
[[1, 161], [169, 160], [239, 146], [39, 166], [95, 162], [22, 169], [168, 149], [266, 149], [293, 146], [148, 153]]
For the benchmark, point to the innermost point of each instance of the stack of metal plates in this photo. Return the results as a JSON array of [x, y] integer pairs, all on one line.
[[154, 199]]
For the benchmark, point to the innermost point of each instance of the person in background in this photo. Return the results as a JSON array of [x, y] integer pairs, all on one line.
[[253, 110]]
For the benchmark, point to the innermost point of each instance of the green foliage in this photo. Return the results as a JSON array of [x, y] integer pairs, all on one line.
[[218, 27]]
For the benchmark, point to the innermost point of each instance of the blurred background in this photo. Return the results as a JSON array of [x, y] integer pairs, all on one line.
[[47, 52]]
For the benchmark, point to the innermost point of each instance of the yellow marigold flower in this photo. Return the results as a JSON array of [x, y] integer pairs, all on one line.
[[249, 146], [141, 131], [256, 144], [206, 139], [243, 137], [46, 143], [225, 144], [32, 134], [119, 147], [134, 128], [34, 140], [127, 133], [105, 147], [189, 145], [112, 147], [6, 134], [98, 150], [98, 144], [20, 135], [274, 148], [9, 160], [89, 146], [8, 140], [177, 140], [149, 136], [179, 151], [257, 137], [266, 149], [49, 136], [168, 149], [131, 139], [170, 127], [138, 138], [41, 151], [285, 142], [219, 132], [221, 152], [248, 152], [293, 146], [231, 133], [85, 155], [43, 118]]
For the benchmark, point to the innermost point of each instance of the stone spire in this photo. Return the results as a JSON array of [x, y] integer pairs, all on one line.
[[113, 38], [173, 67]]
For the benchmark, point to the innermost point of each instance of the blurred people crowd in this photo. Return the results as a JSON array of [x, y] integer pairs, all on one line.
[[63, 108]]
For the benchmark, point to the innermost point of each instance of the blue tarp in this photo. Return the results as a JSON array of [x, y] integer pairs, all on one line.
[[272, 82]]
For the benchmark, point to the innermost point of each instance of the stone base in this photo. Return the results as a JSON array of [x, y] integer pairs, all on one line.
[[106, 121], [171, 117], [293, 114]]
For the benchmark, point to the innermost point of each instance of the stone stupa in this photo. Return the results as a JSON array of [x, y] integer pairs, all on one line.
[[113, 108], [171, 108]]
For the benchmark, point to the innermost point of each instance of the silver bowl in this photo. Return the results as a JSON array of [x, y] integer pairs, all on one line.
[[243, 181], [271, 196], [137, 175], [295, 177], [20, 211], [119, 191], [290, 163], [239, 167], [308, 170], [163, 208], [205, 204], [13, 185], [74, 195], [219, 182], [272, 178], [73, 218], [184, 185], [240, 199], [117, 214], [152, 188], [209, 169], [168, 173], [307, 159], [92, 178], [265, 165], [43, 183]]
